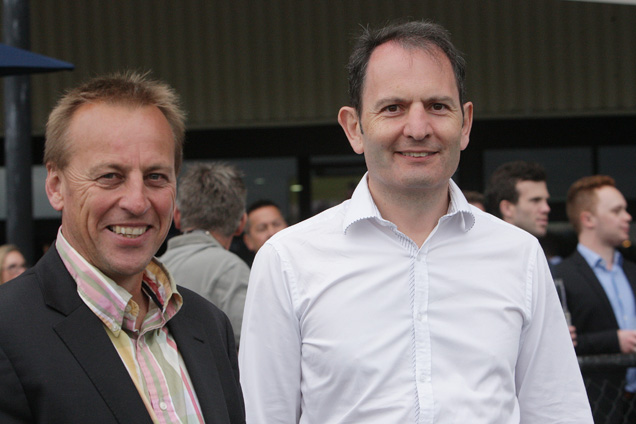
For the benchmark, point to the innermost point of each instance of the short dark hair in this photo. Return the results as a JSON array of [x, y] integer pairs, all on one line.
[[211, 196], [473, 196], [503, 183], [261, 203], [424, 35]]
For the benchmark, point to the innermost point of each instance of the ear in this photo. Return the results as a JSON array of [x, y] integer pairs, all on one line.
[[177, 218], [467, 124], [587, 219], [507, 209], [348, 120], [54, 186], [241, 226]]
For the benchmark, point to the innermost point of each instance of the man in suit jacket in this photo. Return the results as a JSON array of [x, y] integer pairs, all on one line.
[[600, 287], [97, 330]]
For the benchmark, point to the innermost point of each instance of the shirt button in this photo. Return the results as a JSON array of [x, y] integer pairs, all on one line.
[[163, 406]]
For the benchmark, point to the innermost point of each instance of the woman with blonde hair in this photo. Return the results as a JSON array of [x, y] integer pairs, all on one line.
[[12, 262]]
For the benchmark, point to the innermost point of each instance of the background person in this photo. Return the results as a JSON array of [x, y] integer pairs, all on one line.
[[363, 314], [97, 331], [264, 219], [12, 262], [517, 193], [600, 287], [210, 212], [475, 198]]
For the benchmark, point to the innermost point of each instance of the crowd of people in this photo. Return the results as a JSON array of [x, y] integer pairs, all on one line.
[[411, 301]]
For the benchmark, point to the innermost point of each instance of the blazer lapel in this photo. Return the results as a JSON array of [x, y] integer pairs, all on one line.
[[192, 342], [591, 280], [629, 268], [85, 337]]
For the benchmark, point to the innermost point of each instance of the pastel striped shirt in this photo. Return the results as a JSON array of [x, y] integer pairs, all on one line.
[[150, 354]]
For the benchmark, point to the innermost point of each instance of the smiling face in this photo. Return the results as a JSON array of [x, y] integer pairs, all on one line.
[[411, 129], [117, 192]]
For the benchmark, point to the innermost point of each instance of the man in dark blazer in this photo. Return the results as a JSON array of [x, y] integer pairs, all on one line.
[[599, 287], [97, 331]]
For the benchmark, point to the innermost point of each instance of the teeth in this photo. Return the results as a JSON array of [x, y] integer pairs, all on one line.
[[415, 155], [130, 232]]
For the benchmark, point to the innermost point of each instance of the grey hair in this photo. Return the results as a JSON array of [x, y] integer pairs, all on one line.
[[211, 196]]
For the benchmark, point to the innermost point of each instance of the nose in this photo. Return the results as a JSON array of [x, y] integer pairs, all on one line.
[[418, 125], [546, 207], [134, 199]]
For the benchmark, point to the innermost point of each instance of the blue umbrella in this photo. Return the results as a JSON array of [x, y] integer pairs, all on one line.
[[15, 61]]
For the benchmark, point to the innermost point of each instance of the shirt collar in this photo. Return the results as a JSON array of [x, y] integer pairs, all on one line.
[[112, 303], [362, 207], [593, 259]]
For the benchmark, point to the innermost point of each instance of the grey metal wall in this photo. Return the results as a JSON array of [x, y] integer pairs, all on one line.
[[281, 62]]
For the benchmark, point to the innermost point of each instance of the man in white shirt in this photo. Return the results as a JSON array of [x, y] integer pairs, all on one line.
[[405, 304]]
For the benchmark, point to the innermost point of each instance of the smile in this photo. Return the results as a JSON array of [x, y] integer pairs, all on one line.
[[416, 154], [129, 232]]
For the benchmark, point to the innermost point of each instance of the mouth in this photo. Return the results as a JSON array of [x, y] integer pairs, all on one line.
[[416, 154], [128, 232]]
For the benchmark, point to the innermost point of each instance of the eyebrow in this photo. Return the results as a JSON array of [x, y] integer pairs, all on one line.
[[387, 101], [397, 100]]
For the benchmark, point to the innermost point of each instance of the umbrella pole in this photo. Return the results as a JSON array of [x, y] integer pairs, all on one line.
[[17, 140]]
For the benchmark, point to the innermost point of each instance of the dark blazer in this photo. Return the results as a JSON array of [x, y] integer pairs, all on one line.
[[58, 365], [596, 328], [591, 311]]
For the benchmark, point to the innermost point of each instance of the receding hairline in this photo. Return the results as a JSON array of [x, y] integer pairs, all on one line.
[[129, 89], [128, 104]]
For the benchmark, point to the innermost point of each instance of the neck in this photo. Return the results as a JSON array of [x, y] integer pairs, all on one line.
[[605, 251], [133, 286], [415, 214]]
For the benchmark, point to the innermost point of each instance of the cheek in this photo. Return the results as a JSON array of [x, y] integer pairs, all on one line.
[[164, 204]]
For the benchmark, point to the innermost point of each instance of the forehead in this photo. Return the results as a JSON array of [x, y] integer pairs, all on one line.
[[609, 197], [13, 257], [264, 212], [393, 67], [529, 188], [111, 129]]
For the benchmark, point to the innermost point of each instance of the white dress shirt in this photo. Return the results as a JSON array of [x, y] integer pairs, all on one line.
[[348, 321]]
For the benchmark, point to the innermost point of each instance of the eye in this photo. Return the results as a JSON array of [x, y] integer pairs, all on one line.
[[391, 108], [109, 178], [439, 106], [155, 177]]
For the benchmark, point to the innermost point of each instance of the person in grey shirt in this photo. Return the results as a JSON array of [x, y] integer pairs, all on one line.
[[210, 211]]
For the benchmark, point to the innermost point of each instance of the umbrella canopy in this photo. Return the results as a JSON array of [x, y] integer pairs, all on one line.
[[15, 61]]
